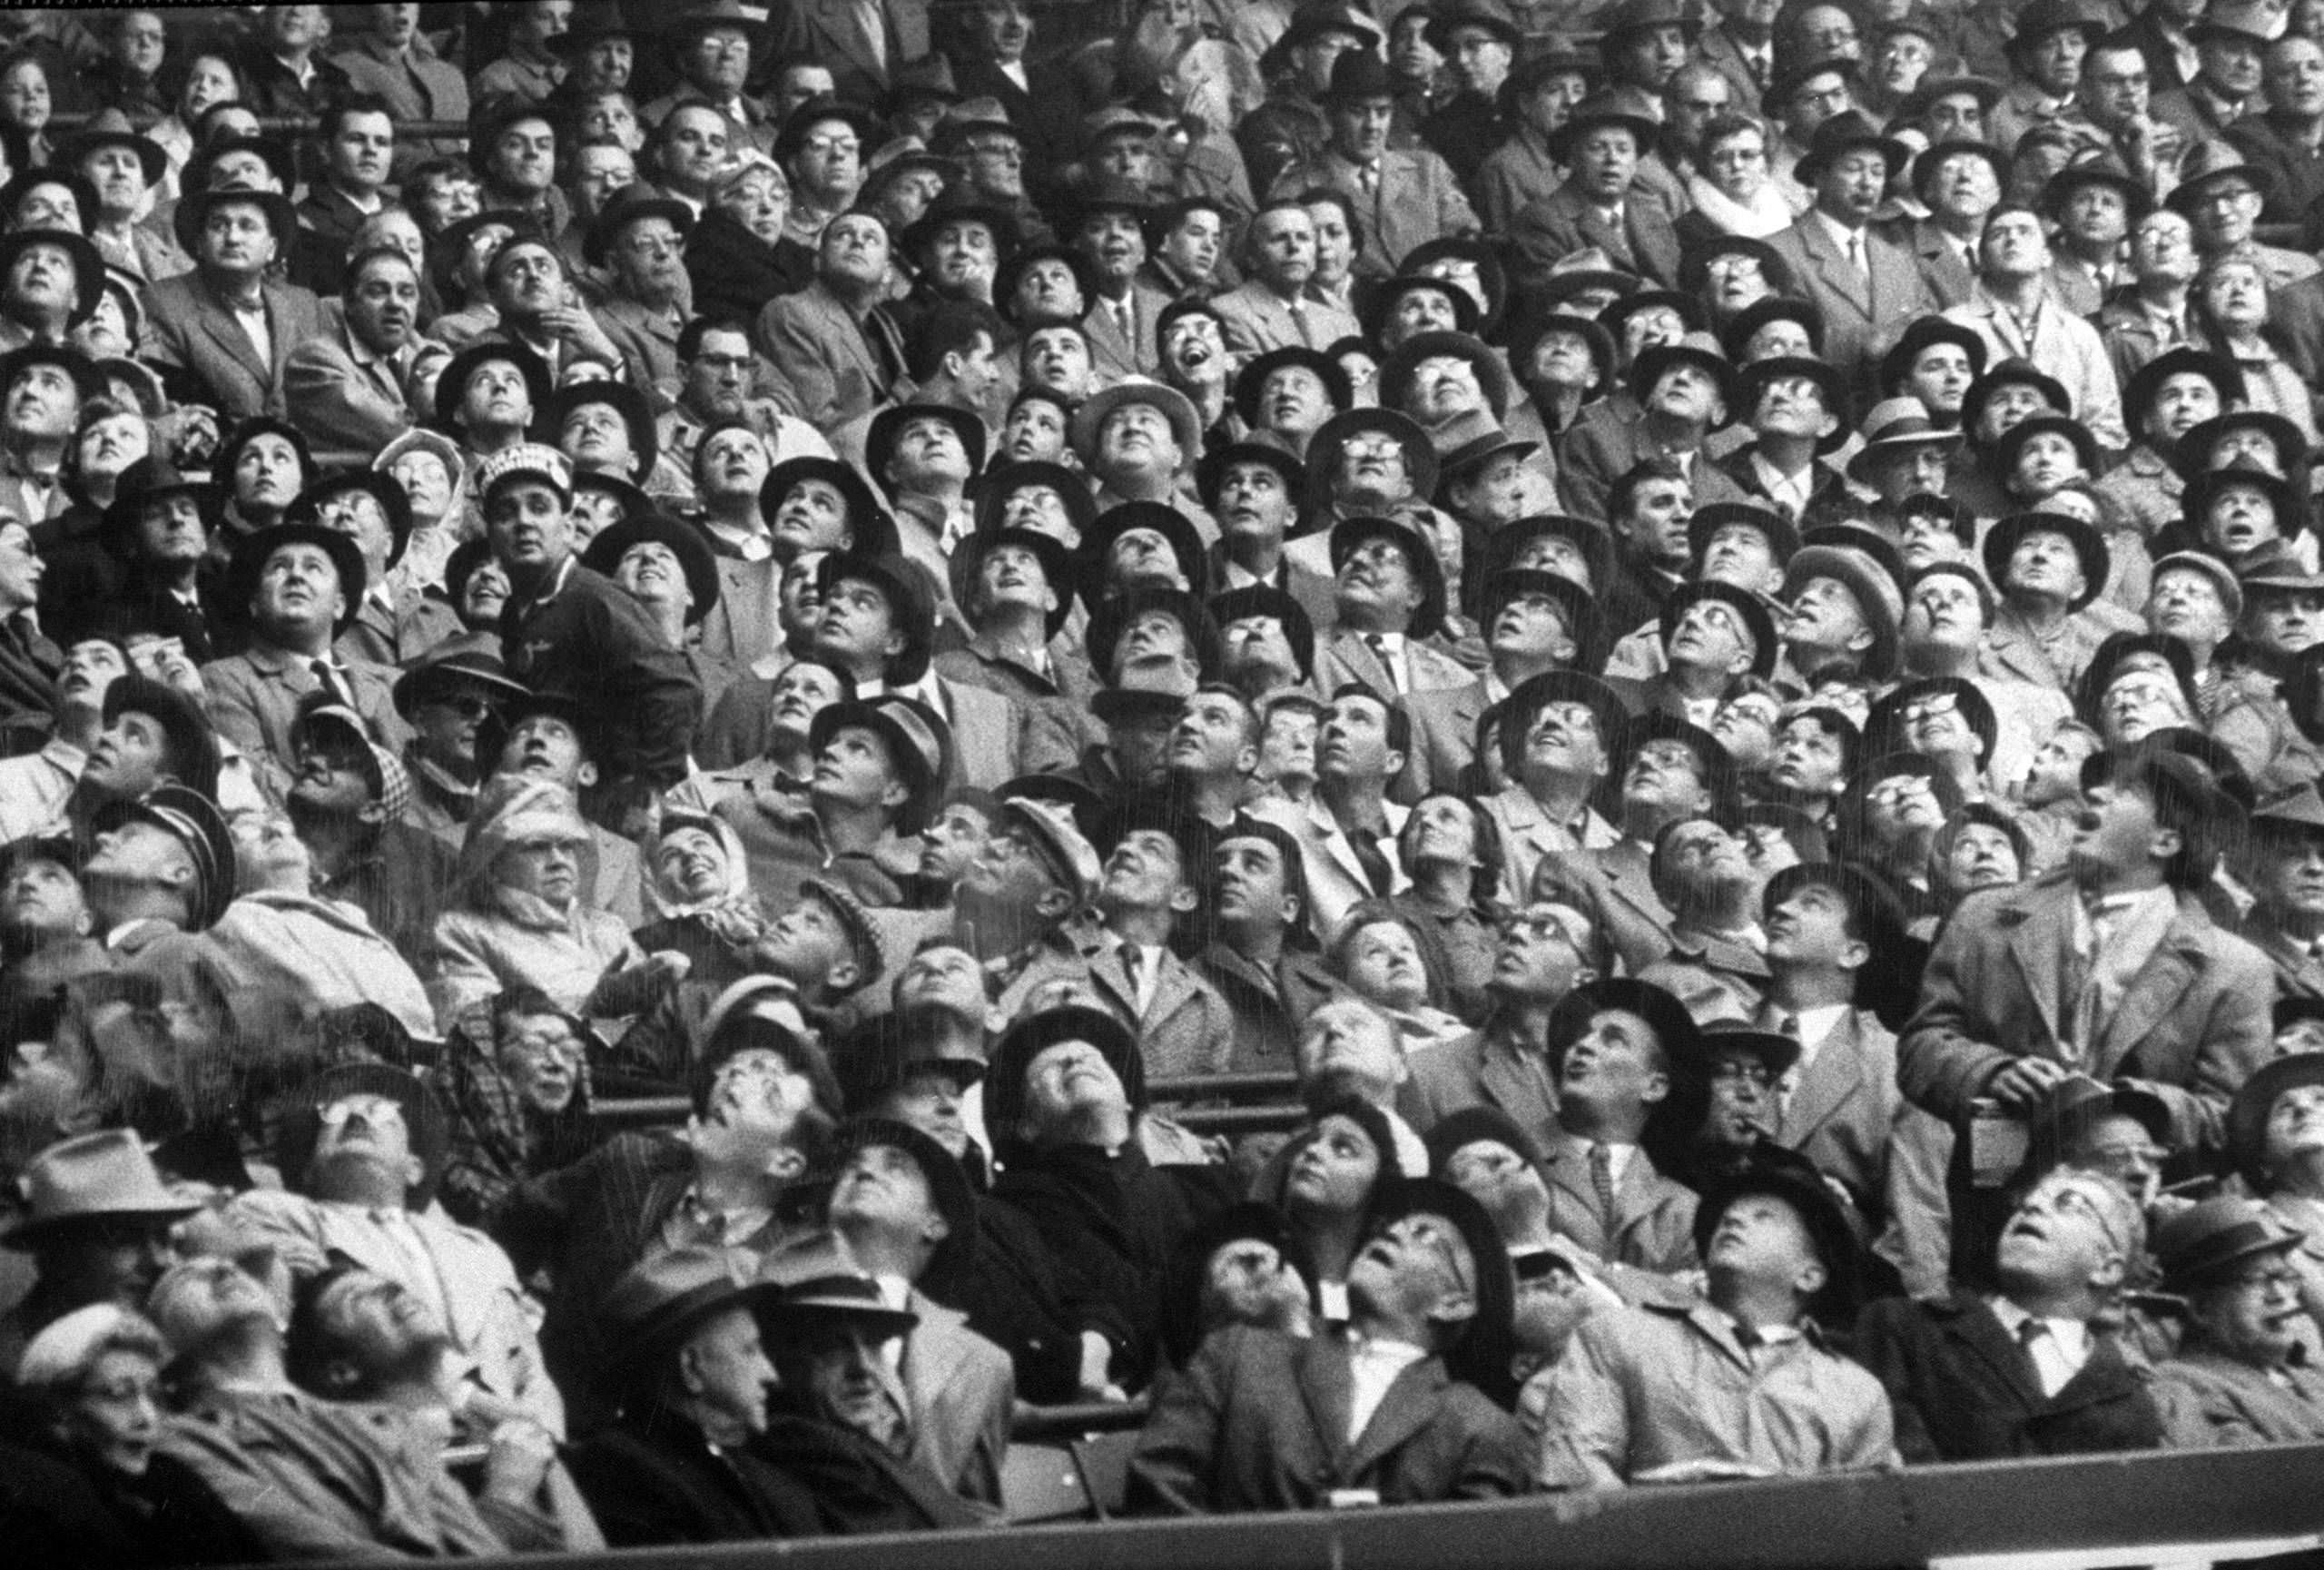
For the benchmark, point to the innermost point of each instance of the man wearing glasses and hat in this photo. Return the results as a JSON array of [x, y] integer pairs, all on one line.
[[2243, 1374], [95, 1227], [362, 1147], [226, 323]]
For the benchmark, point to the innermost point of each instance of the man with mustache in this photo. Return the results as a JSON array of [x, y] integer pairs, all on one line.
[[350, 391]]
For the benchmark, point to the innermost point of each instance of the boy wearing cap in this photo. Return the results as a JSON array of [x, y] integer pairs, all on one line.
[[1384, 1413], [1737, 1384]]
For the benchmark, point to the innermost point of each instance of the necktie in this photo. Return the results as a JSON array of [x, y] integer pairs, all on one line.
[[2030, 1331], [1299, 319], [1856, 257], [1789, 1026], [1366, 844], [333, 682], [1601, 1183], [1388, 662], [1748, 1338], [1370, 177], [1759, 64], [1125, 319], [1134, 963]]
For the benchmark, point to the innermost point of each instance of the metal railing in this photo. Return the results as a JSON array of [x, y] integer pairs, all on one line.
[[1277, 1096]]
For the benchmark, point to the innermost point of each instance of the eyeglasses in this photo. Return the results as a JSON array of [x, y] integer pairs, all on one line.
[[1734, 1074], [831, 146], [371, 1109]]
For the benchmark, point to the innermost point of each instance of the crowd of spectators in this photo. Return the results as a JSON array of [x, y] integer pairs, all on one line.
[[1431, 751]]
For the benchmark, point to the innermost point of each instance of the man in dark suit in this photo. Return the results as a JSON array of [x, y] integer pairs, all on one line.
[[990, 63], [1124, 312], [833, 342], [1598, 205], [1263, 1421], [2026, 1372], [1867, 289], [225, 323]]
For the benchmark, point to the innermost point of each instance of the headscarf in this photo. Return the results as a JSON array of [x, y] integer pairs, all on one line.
[[732, 915]]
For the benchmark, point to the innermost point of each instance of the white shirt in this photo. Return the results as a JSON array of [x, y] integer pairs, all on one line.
[[1373, 1365], [254, 327], [1617, 1159], [1816, 1027], [1843, 237], [1147, 974], [1791, 490], [2058, 1354], [1390, 647]]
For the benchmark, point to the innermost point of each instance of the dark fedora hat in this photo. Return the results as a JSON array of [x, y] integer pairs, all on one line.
[[1757, 618], [394, 503], [2254, 1102], [88, 267], [194, 208], [2003, 539], [192, 740], [1032, 1034], [1353, 532], [967, 566], [1779, 1173], [1537, 692], [452, 385], [682, 539], [616, 394], [254, 552], [1359, 73], [2201, 1247], [446, 669], [1924, 332], [2146, 383], [873, 528], [1849, 130], [911, 603], [299, 1126], [888, 425], [996, 486], [920, 742]]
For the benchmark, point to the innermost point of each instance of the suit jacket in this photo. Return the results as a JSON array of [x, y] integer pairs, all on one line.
[[987, 737], [1562, 223], [1653, 1220], [190, 326], [255, 696], [1257, 319], [1964, 1390], [1419, 200], [345, 398], [1592, 454], [1950, 280], [1259, 1421], [1483, 1068], [1528, 837], [1610, 885], [652, 1478], [1717, 978], [2208, 1398], [1335, 879], [1845, 1114], [1047, 115], [1344, 656], [1861, 317], [1720, 52], [2299, 973], [1268, 1007], [2193, 1026], [821, 349], [961, 1389], [2012, 651], [1187, 1028], [1445, 738], [648, 341], [1116, 356], [1315, 591], [1513, 176], [392, 635], [2063, 344]]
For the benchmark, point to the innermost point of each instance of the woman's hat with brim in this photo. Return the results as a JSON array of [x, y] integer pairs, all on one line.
[[683, 540], [874, 528], [254, 552], [550, 414], [1351, 533], [88, 267], [452, 385], [911, 603], [888, 426], [2247, 1111], [920, 742], [997, 485], [1752, 380], [394, 503], [967, 566], [1761, 624], [1323, 448], [298, 1124]]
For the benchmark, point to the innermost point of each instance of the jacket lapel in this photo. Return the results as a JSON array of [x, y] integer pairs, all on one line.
[[2148, 1000], [1406, 1409], [1842, 279], [1836, 1076], [1514, 1085], [1973, 1325], [1329, 1387], [2034, 944]]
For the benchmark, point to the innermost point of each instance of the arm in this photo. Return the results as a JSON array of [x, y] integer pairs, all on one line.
[[1497, 1463], [1869, 1439], [1177, 1450], [2236, 1038], [653, 686], [799, 356], [1941, 1065], [460, 971], [1579, 1411], [337, 410]]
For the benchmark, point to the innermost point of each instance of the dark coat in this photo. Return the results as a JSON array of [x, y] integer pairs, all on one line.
[[57, 1510], [735, 272], [1259, 1421], [652, 1478], [1015, 1297], [1964, 1390], [1112, 1225], [591, 638]]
